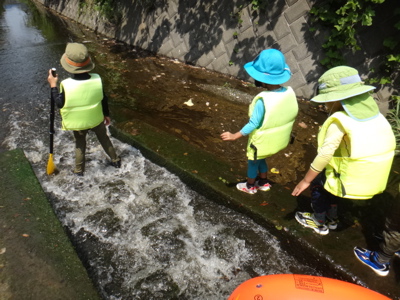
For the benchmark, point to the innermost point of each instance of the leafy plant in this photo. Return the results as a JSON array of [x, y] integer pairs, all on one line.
[[394, 119], [342, 18], [259, 4]]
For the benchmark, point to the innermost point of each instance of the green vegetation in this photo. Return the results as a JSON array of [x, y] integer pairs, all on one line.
[[394, 120], [342, 18]]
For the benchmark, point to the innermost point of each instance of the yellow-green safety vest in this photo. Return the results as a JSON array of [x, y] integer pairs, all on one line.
[[281, 109], [82, 108], [369, 150]]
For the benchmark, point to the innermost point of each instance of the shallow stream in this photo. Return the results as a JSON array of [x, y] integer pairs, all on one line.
[[140, 231]]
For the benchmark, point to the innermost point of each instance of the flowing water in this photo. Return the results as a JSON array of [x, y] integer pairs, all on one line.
[[140, 231]]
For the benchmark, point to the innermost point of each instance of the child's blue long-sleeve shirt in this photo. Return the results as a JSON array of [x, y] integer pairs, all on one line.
[[255, 119], [257, 116]]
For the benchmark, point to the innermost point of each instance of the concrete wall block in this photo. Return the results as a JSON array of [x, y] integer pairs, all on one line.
[[296, 81], [176, 39], [291, 2], [247, 35], [286, 44], [301, 30], [311, 70], [302, 51], [247, 23], [231, 49], [228, 35], [372, 41], [296, 11], [166, 48], [199, 31], [234, 69], [206, 59], [307, 91], [291, 62], [357, 58], [172, 9], [281, 27], [220, 63], [219, 50], [275, 9], [260, 30]]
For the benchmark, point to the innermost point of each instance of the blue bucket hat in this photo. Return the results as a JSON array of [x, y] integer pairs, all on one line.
[[269, 67]]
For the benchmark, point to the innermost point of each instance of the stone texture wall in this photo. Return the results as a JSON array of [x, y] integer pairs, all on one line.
[[224, 35]]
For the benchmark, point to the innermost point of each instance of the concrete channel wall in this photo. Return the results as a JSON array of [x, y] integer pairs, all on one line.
[[223, 35]]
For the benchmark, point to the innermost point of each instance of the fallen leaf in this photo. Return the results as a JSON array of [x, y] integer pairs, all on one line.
[[264, 203], [195, 171], [303, 125], [275, 171], [25, 235], [189, 102], [2, 250]]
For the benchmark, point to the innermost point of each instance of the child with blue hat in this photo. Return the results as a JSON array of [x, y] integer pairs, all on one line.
[[355, 149], [272, 113]]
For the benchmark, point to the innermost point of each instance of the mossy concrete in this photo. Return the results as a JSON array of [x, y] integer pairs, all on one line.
[[37, 259]]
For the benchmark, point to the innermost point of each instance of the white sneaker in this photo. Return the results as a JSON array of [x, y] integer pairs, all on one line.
[[242, 186], [306, 219], [265, 187]]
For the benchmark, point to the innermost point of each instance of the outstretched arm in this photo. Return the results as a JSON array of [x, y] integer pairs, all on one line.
[[227, 136], [305, 182]]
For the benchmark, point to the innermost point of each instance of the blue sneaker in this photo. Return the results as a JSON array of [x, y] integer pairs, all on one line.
[[368, 258]]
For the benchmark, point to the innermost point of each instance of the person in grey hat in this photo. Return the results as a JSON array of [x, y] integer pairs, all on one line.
[[83, 104], [355, 149], [272, 113]]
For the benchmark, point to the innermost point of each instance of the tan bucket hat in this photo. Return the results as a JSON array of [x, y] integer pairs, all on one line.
[[76, 59]]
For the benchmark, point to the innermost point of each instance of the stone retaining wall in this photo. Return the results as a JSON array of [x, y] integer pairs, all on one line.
[[223, 35]]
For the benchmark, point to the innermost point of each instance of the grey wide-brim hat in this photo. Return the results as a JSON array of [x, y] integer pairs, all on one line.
[[76, 59], [344, 84], [340, 83]]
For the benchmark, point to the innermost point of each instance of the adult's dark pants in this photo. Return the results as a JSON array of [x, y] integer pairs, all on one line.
[[391, 234], [80, 146]]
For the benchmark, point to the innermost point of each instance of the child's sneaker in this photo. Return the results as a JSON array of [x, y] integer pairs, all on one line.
[[242, 186], [331, 223], [306, 219], [368, 258], [264, 187]]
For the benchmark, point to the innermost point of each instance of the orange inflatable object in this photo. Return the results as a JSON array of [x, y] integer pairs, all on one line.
[[301, 287]]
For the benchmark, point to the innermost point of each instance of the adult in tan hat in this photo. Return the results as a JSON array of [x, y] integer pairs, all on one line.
[[83, 104], [355, 149]]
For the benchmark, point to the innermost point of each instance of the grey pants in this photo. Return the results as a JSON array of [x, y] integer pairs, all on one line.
[[80, 146], [391, 234]]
